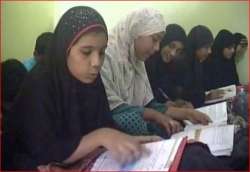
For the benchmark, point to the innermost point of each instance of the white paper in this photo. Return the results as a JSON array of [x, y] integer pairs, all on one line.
[[218, 138], [161, 155], [230, 92], [216, 112]]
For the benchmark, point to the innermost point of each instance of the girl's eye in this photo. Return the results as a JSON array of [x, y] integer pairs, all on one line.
[[86, 52]]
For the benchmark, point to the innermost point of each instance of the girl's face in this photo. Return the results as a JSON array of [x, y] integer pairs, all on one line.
[[241, 49], [228, 52], [86, 56], [171, 51], [202, 53], [145, 46]]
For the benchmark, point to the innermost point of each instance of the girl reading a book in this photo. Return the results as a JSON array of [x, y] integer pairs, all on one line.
[[134, 39], [165, 69], [62, 112]]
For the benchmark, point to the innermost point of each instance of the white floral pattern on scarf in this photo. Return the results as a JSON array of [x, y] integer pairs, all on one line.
[[124, 76]]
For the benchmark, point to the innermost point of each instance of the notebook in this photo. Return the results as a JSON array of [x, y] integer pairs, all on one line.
[[212, 134], [164, 155], [230, 92]]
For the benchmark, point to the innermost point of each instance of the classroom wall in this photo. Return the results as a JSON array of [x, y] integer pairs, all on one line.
[[21, 23], [215, 15]]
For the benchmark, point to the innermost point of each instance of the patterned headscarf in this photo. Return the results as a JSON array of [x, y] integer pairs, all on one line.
[[124, 76], [62, 108]]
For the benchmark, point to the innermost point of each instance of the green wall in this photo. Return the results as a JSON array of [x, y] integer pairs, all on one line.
[[23, 22]]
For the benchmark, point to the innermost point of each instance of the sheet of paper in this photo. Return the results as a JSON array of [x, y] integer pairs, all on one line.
[[158, 160], [218, 137], [216, 112], [214, 136], [230, 92]]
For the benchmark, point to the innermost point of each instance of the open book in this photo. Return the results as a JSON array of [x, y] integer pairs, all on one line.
[[164, 156], [217, 135], [216, 112], [229, 92]]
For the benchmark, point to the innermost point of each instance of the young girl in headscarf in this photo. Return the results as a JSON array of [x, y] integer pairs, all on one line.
[[220, 67], [241, 44], [62, 113], [131, 42], [199, 42], [165, 69]]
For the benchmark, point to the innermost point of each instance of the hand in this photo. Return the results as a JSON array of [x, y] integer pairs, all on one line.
[[170, 125], [125, 148], [179, 103], [184, 104], [197, 117], [215, 94], [170, 104]]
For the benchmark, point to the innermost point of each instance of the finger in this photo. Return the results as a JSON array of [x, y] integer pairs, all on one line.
[[205, 119], [173, 126], [167, 127], [126, 155], [145, 152], [146, 139], [179, 127], [135, 151]]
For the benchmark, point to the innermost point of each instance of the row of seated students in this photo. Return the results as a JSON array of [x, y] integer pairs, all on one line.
[[92, 91], [187, 66]]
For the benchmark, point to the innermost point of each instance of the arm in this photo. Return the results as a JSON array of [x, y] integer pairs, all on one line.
[[139, 120], [124, 148]]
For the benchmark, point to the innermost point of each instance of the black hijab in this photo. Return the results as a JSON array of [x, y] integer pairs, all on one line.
[[239, 38], [165, 76], [13, 74], [199, 36], [225, 72], [55, 110]]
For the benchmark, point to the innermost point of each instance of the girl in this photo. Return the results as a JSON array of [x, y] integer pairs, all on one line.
[[62, 112]]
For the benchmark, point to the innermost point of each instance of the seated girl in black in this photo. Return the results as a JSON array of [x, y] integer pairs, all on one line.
[[220, 67], [199, 44], [165, 68], [62, 113]]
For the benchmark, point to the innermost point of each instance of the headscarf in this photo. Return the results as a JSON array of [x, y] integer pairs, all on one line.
[[174, 32], [124, 76], [54, 109], [13, 74], [238, 38], [198, 37], [226, 73], [223, 40], [166, 76]]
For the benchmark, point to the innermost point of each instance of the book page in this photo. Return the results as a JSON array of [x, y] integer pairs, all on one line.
[[230, 92], [218, 142], [216, 112], [218, 138], [159, 159]]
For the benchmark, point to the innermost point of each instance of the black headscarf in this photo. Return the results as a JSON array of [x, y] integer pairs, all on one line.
[[223, 69], [174, 32], [55, 110], [238, 38], [166, 76], [13, 73], [199, 36]]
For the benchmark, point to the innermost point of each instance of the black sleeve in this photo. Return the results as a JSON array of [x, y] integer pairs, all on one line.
[[40, 129]]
